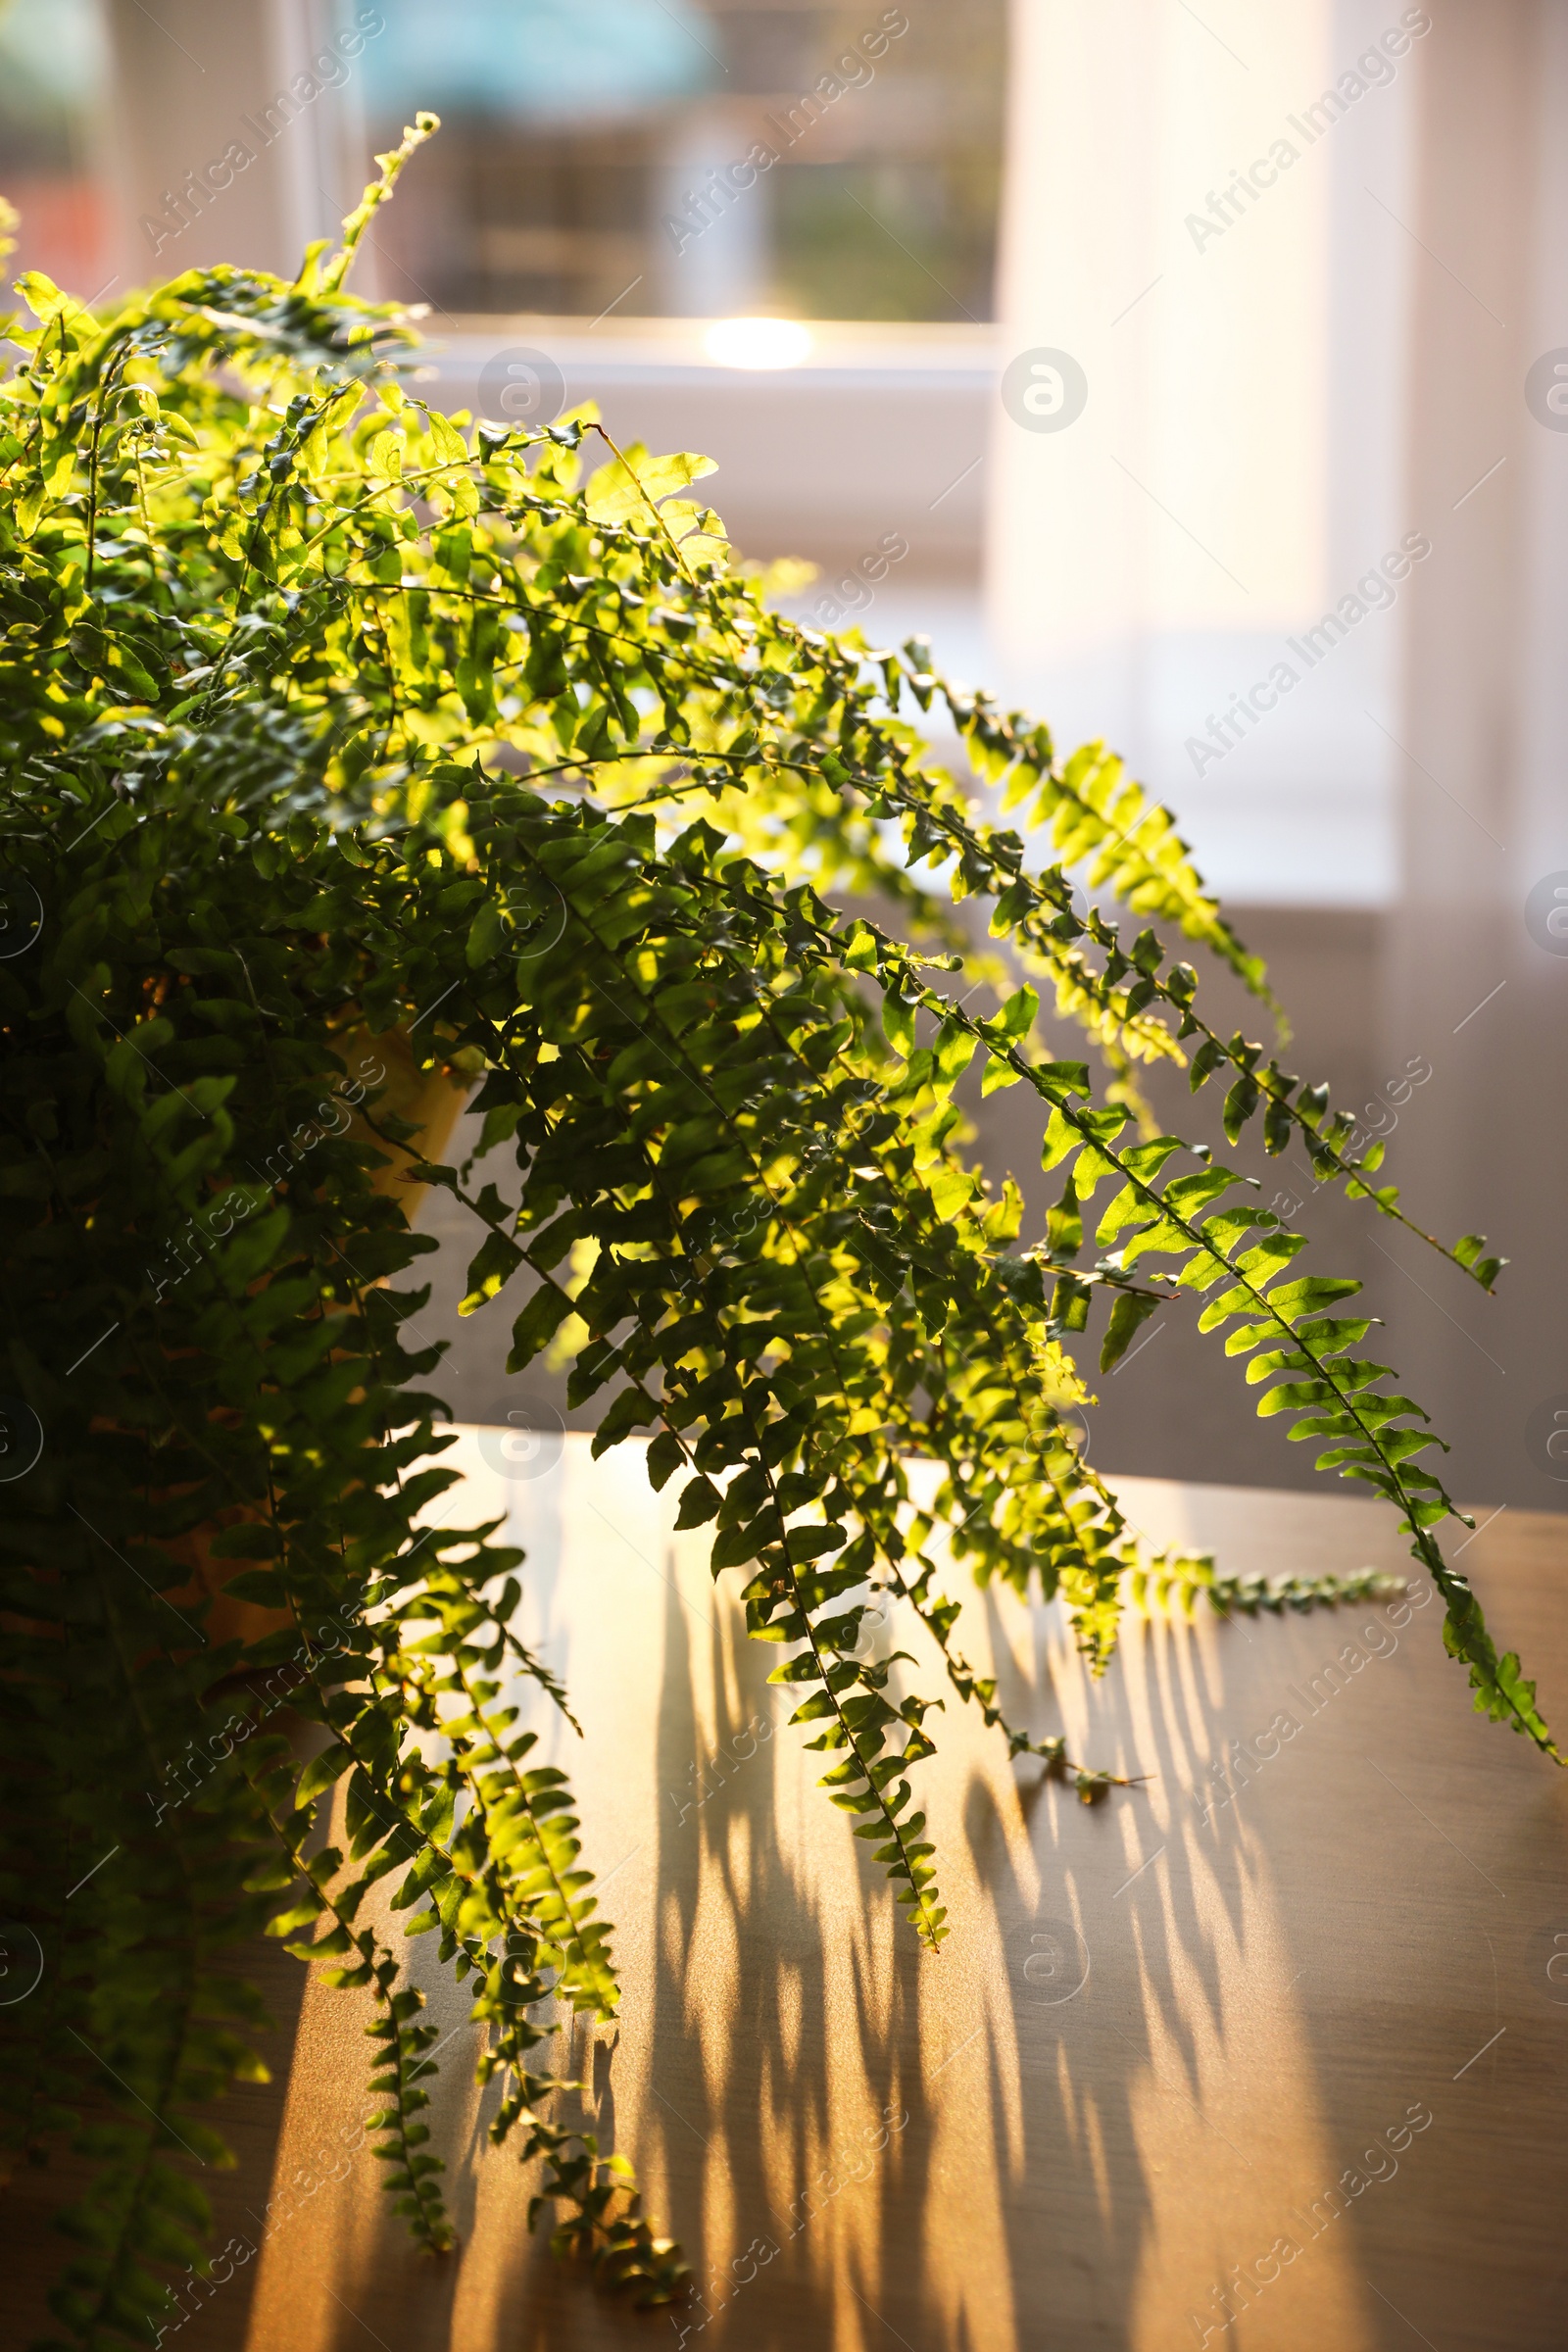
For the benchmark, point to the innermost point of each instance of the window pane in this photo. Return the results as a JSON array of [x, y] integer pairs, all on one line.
[[693, 162], [51, 87]]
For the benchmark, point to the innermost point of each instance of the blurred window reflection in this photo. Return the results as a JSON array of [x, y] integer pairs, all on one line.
[[697, 162], [52, 72]]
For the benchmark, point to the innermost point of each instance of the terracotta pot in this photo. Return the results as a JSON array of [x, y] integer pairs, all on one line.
[[427, 1098]]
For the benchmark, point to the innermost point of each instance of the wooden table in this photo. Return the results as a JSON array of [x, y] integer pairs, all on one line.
[[1288, 2026]]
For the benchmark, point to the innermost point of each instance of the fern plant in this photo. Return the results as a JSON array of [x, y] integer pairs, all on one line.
[[329, 716]]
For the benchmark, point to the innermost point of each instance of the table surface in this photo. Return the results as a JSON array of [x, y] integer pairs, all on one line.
[[1284, 2025]]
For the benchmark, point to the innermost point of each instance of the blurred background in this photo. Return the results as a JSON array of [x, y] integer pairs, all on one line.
[[1196, 374]]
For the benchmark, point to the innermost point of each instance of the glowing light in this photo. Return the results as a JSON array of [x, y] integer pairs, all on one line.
[[758, 342]]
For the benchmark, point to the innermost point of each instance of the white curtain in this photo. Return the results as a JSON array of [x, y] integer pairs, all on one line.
[[1206, 208]]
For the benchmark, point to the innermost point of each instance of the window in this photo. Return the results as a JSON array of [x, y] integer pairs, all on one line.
[[51, 92], [676, 161]]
